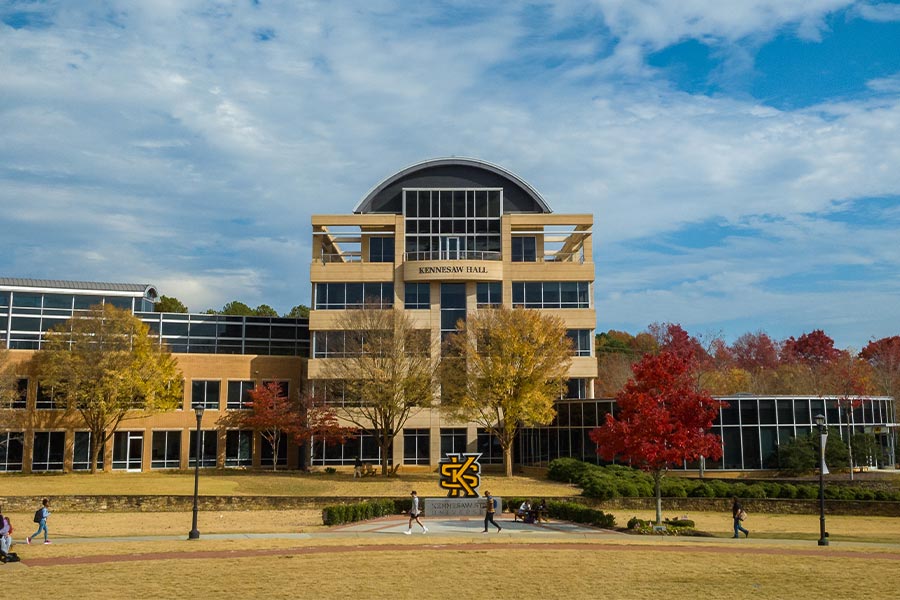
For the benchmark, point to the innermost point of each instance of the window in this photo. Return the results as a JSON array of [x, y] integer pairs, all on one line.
[[48, 451], [381, 249], [284, 385], [48, 399], [11, 443], [489, 294], [238, 448], [581, 341], [416, 446], [128, 449], [166, 451], [453, 440], [523, 249], [81, 459], [417, 296], [267, 459], [551, 294], [576, 388], [490, 448], [453, 306], [208, 448], [343, 296], [452, 224], [205, 393], [20, 401], [239, 394]]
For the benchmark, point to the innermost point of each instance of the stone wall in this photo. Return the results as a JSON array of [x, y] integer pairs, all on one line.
[[229, 503]]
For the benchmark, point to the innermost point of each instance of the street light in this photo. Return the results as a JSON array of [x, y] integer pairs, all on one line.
[[194, 533], [823, 437]]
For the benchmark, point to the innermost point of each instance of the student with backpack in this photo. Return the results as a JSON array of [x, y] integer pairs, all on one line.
[[489, 514], [40, 517]]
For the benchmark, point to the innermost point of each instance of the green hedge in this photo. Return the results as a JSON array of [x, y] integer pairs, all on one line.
[[569, 511], [617, 481], [338, 514]]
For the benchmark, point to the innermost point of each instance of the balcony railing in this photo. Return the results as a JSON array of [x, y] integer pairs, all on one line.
[[455, 255]]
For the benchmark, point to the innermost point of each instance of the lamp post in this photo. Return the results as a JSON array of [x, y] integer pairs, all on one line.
[[823, 437], [194, 533]]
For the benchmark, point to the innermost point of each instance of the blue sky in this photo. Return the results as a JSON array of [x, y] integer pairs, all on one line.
[[741, 158]]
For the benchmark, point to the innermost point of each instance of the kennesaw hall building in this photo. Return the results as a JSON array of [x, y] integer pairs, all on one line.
[[439, 239]]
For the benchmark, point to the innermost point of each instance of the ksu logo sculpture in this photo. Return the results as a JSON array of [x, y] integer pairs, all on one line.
[[461, 474]]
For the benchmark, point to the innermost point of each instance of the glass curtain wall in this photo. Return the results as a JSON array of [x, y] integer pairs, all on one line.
[[453, 224]]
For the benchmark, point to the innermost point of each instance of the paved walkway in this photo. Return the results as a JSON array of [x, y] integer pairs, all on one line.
[[389, 531]]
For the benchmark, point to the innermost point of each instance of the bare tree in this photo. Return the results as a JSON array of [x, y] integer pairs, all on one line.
[[386, 371]]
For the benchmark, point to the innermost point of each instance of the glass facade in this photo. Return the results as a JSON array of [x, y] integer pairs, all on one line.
[[453, 224], [750, 427], [551, 294], [23, 327]]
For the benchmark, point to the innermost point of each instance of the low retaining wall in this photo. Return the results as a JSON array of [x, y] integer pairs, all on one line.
[[234, 503], [753, 505]]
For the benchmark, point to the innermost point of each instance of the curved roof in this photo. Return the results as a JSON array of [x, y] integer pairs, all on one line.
[[453, 172], [131, 289]]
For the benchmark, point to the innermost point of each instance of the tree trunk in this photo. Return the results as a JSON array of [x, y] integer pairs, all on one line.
[[95, 450], [507, 460], [657, 475], [385, 446]]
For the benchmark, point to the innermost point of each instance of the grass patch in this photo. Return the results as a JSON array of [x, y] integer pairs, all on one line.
[[636, 573], [255, 483]]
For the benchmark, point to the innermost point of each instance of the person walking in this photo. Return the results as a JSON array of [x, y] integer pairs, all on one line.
[[489, 513], [42, 524], [357, 467], [414, 514], [738, 515]]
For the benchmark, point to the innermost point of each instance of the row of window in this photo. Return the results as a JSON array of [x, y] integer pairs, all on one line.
[[343, 296], [48, 450], [205, 392], [67, 302], [183, 333], [49, 447], [340, 344], [551, 294], [416, 448], [750, 442]]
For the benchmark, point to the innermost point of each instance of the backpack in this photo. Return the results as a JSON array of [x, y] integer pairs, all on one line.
[[39, 515], [496, 504]]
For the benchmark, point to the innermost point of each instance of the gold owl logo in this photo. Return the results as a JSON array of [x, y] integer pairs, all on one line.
[[461, 475]]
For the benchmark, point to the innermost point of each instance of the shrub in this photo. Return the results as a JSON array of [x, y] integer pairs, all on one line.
[[807, 492], [865, 494], [599, 486], [569, 470], [755, 490], [338, 514], [672, 488], [788, 490], [702, 490], [577, 513]]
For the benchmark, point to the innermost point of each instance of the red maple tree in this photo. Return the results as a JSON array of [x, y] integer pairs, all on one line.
[[271, 413], [662, 419]]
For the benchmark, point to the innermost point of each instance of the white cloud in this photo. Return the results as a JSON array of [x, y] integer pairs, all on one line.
[[162, 142]]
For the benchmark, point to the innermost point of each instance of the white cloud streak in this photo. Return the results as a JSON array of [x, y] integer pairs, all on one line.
[[166, 142]]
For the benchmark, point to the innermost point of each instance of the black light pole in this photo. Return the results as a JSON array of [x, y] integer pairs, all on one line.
[[823, 437], [194, 533]]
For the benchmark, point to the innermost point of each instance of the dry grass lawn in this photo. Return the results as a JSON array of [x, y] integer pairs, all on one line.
[[256, 483], [489, 572]]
